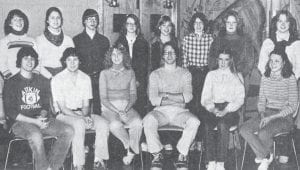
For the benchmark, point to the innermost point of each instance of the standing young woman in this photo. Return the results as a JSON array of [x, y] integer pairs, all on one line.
[[223, 94], [278, 98], [132, 39], [52, 43], [118, 94], [15, 28]]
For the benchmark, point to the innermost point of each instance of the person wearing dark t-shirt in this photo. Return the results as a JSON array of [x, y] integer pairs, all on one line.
[[26, 102], [91, 47]]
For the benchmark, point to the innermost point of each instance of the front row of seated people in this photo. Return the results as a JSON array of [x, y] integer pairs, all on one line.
[[27, 102]]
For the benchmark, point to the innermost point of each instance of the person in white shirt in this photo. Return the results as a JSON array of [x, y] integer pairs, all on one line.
[[72, 92], [222, 96]]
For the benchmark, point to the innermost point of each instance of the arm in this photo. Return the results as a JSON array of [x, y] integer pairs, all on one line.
[[265, 50], [296, 59], [154, 96], [239, 95], [132, 94], [2, 114], [207, 96], [3, 59], [212, 58], [262, 101], [184, 55]]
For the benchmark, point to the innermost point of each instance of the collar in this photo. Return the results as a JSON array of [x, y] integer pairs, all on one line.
[[90, 33], [282, 36], [275, 77]]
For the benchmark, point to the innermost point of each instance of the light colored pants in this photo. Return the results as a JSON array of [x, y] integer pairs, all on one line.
[[118, 125], [156, 119], [102, 133]]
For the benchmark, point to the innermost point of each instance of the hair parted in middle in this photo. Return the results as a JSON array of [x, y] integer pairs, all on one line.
[[239, 20], [202, 17], [126, 58], [48, 13], [136, 22]]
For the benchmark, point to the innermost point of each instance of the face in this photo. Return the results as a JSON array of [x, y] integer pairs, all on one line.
[[169, 55], [231, 24], [72, 63], [91, 23], [27, 63], [117, 57], [166, 28], [54, 20], [223, 61], [275, 63], [17, 23], [283, 24], [198, 25], [130, 25]]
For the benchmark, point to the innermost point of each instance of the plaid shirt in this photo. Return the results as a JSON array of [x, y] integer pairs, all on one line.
[[196, 49]]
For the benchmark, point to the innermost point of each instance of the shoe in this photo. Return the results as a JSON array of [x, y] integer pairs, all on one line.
[[99, 165], [79, 167], [128, 158], [199, 146], [265, 163], [193, 146], [144, 147], [220, 166], [157, 160], [168, 147], [258, 160], [283, 159], [211, 165], [182, 162]]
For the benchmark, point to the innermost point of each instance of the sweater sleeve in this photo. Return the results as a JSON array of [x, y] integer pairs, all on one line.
[[10, 100], [292, 102], [212, 59], [207, 97], [103, 86], [154, 97], [187, 87], [262, 101], [296, 59], [239, 95], [265, 50], [3, 58]]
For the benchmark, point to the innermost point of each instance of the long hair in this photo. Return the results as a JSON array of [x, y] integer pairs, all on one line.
[[137, 24], [231, 53], [15, 12], [48, 13], [239, 20], [292, 29], [175, 48], [163, 19], [126, 58], [202, 17], [287, 69]]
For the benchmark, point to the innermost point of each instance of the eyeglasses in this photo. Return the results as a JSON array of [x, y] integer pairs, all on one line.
[[130, 24], [169, 53], [91, 19], [231, 23]]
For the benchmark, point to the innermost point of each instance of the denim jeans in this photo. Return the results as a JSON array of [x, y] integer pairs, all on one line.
[[34, 135], [262, 143], [216, 149]]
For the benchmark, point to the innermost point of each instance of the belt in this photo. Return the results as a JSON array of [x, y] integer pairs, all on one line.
[[202, 68], [78, 109]]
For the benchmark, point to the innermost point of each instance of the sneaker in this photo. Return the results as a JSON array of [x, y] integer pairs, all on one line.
[[283, 159], [168, 147], [199, 146], [128, 158], [182, 161], [193, 146], [80, 167], [99, 165], [258, 160], [157, 160], [211, 165], [220, 166], [265, 163]]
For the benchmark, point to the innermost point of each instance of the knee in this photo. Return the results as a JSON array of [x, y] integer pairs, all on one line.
[[102, 124], [79, 126], [36, 139], [244, 131], [193, 122], [115, 125], [149, 121], [68, 131], [263, 134], [136, 123]]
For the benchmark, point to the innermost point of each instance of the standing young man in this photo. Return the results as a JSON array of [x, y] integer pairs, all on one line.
[[26, 101], [91, 47], [170, 88]]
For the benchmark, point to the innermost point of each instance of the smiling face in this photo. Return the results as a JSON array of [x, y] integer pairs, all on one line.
[[276, 63], [91, 23], [282, 24], [224, 61], [130, 25], [169, 55], [198, 25], [27, 63], [54, 20], [166, 28], [117, 57], [17, 23], [72, 63], [231, 24]]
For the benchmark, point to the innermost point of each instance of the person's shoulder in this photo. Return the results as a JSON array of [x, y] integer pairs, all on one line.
[[102, 37], [182, 70], [267, 42], [67, 38], [83, 75], [78, 36]]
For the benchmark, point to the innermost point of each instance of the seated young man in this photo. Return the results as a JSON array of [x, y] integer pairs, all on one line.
[[26, 101], [72, 90], [170, 89]]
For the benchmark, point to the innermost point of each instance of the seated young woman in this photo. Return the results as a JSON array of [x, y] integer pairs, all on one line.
[[278, 98], [118, 95], [223, 94]]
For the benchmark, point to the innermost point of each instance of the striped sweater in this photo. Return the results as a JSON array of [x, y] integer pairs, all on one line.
[[280, 93]]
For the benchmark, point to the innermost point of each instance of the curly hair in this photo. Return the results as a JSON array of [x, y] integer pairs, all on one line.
[[287, 69], [163, 19], [27, 51], [292, 29], [15, 12], [67, 53], [48, 13], [137, 23], [202, 17], [239, 20], [126, 58]]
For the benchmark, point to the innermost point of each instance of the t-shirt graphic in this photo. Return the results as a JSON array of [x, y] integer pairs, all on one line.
[[31, 97]]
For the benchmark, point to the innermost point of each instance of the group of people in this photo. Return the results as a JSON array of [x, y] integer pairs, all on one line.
[[59, 86]]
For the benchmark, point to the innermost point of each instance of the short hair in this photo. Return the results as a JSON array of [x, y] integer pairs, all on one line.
[[239, 20], [175, 48], [163, 19], [26, 51], [287, 69], [137, 23], [90, 13], [48, 13], [71, 51], [126, 58], [202, 17], [232, 55], [15, 12], [292, 29]]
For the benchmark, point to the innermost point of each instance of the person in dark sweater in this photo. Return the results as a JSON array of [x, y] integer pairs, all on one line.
[[26, 102], [138, 48], [91, 47]]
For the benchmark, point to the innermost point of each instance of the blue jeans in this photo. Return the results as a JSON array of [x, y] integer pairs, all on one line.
[[34, 135]]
